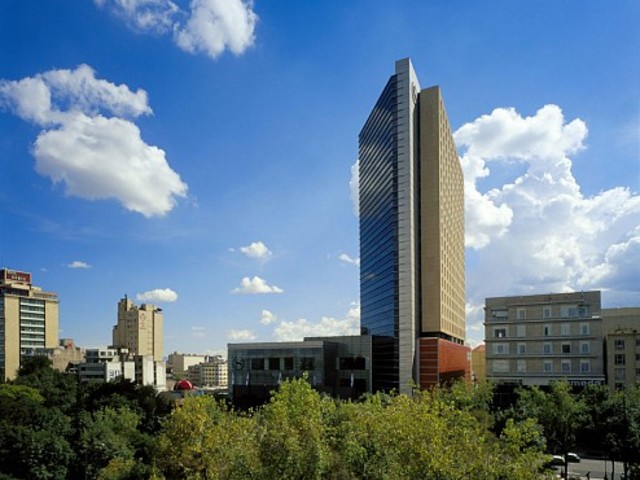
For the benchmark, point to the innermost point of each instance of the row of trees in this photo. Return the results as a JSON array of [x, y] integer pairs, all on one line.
[[597, 419], [53, 428]]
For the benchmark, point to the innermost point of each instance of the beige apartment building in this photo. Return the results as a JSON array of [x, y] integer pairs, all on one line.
[[622, 337], [28, 320], [535, 339], [139, 329], [213, 373], [178, 363]]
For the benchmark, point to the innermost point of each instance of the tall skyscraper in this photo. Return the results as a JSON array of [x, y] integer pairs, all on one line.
[[28, 320], [411, 237], [139, 329]]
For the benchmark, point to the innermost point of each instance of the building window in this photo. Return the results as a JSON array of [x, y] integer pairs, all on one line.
[[499, 332], [566, 348], [522, 366], [501, 366], [618, 344], [257, 364], [546, 348], [585, 366], [522, 348], [548, 366], [565, 329], [619, 373], [500, 348], [637, 357], [637, 342], [521, 330], [619, 386], [546, 330], [585, 347], [351, 363], [307, 363], [288, 363], [618, 359], [546, 312], [584, 329], [566, 366], [274, 363], [522, 314]]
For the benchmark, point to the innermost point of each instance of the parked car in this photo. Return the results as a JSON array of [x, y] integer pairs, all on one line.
[[556, 461], [573, 457]]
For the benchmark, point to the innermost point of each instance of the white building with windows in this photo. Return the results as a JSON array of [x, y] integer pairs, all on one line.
[[535, 339]]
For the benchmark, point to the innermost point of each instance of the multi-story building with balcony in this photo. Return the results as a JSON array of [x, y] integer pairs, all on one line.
[[28, 320], [622, 346], [535, 339]]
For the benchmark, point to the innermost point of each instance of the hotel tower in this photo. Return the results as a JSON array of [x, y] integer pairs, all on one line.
[[412, 287]]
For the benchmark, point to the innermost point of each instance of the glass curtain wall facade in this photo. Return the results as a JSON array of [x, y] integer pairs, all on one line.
[[411, 229], [378, 238]]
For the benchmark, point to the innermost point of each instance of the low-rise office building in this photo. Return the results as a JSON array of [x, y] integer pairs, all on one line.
[[535, 339], [108, 364], [338, 366]]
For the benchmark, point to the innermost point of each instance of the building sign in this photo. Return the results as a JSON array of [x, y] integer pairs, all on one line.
[[583, 382], [14, 276]]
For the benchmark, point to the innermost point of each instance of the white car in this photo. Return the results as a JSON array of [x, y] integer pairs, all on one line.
[[573, 457]]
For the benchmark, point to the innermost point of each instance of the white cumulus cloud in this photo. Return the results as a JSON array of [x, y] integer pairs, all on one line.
[[144, 15], [267, 317], [207, 26], [256, 285], [327, 326], [537, 231], [241, 335], [345, 258], [95, 156], [158, 295], [78, 264], [256, 250]]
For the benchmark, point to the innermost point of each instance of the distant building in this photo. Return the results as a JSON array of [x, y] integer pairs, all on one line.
[[338, 366], [139, 329], [28, 320], [412, 284], [179, 363], [213, 373], [108, 364], [64, 357], [622, 337], [478, 363], [535, 339]]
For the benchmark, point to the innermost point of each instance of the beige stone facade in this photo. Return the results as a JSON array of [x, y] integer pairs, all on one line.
[[28, 320], [209, 374], [622, 337], [478, 363], [535, 339], [441, 223], [139, 329], [178, 363]]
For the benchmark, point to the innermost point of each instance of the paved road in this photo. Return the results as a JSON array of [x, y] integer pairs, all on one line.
[[595, 467]]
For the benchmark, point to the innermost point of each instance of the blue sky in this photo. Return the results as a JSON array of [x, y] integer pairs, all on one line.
[[198, 155]]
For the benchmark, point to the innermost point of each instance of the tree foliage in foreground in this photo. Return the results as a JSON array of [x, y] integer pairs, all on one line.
[[303, 435]]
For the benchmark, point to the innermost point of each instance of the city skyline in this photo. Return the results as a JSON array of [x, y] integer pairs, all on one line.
[[206, 168]]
